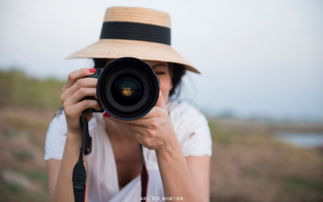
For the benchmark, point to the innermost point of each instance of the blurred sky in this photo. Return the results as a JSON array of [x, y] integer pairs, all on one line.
[[258, 58]]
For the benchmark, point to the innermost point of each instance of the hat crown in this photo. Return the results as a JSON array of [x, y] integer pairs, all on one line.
[[135, 32], [137, 15]]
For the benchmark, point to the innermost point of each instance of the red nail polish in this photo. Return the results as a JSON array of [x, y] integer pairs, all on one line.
[[106, 114], [92, 70]]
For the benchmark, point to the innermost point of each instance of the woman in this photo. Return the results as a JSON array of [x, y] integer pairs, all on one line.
[[175, 136]]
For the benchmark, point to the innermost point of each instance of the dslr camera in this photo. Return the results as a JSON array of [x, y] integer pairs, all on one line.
[[127, 88]]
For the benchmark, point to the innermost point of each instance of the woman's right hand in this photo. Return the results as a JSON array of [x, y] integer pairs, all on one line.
[[73, 93]]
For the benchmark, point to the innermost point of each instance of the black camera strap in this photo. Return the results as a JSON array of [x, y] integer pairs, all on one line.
[[79, 172], [144, 178]]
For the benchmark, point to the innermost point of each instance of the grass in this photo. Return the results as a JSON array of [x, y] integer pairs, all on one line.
[[38, 176], [10, 188], [297, 182], [23, 155], [11, 192], [20, 90]]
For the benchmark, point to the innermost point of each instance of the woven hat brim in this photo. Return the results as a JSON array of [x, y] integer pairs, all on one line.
[[116, 48]]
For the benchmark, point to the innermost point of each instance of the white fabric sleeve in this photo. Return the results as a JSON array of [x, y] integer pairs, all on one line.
[[56, 137], [193, 130]]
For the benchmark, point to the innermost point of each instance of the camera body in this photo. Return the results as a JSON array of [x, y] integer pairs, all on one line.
[[127, 88]]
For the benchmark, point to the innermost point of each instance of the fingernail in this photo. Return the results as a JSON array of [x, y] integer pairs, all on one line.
[[92, 70], [106, 114]]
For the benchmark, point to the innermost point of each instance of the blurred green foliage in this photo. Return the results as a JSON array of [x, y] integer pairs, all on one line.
[[16, 88]]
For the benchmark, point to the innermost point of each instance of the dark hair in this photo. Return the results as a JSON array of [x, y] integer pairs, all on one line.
[[100, 62], [177, 72]]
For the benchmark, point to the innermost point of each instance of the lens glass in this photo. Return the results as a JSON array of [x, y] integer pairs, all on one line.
[[127, 90]]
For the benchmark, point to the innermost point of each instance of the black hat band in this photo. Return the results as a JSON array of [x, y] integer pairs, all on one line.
[[136, 31]]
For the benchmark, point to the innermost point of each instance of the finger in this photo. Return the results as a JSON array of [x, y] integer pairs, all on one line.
[[77, 74], [161, 101], [78, 108], [80, 94], [138, 132], [140, 124], [116, 120], [155, 111], [143, 137], [85, 82], [87, 104], [138, 136]]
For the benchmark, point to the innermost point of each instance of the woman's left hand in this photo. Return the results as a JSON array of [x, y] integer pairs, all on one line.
[[153, 130]]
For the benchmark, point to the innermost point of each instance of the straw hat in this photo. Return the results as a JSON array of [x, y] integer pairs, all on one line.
[[135, 32]]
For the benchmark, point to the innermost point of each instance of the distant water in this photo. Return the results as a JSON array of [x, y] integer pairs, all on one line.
[[308, 140]]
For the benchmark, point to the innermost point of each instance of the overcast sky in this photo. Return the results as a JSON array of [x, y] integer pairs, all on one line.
[[258, 58]]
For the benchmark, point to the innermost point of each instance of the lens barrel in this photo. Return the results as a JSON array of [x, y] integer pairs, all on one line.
[[127, 88]]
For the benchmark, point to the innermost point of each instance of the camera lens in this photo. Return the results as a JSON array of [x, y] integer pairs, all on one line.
[[127, 90]]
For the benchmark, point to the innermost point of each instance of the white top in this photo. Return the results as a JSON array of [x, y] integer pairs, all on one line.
[[192, 132]]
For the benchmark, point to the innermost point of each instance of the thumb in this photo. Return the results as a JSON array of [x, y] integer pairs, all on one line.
[[161, 101]]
